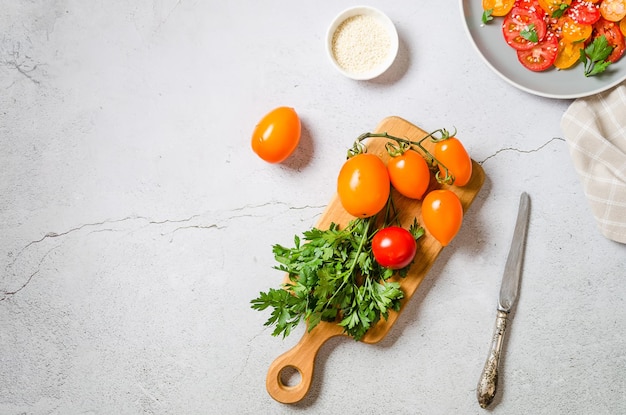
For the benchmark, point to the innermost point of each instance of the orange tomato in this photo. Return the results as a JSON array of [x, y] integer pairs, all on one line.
[[277, 135], [363, 185], [622, 26], [572, 31], [409, 174], [442, 215], [451, 153], [498, 7], [613, 10], [550, 6]]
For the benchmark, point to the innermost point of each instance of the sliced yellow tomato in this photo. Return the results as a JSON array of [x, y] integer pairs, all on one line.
[[622, 26], [568, 53], [613, 10], [498, 7], [574, 32], [550, 6]]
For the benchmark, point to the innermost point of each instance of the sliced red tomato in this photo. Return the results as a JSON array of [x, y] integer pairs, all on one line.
[[613, 35], [521, 20], [541, 56], [532, 5], [583, 12]]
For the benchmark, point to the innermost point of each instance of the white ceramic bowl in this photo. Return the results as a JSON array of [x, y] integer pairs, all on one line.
[[362, 68]]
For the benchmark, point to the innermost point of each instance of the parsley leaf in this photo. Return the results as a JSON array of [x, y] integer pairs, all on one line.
[[487, 16], [530, 33], [333, 276], [560, 11], [594, 56]]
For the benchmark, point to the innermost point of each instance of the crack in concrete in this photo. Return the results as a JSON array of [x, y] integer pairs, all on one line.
[[517, 150], [247, 356], [57, 235], [213, 226], [168, 15], [4, 294], [20, 65]]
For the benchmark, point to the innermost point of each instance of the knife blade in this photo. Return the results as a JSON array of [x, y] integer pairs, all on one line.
[[509, 288]]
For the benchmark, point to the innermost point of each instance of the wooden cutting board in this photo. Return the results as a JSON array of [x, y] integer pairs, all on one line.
[[302, 356]]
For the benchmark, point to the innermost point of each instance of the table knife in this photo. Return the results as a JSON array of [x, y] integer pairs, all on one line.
[[488, 382]]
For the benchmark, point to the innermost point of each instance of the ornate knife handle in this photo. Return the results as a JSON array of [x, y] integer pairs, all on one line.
[[488, 382]]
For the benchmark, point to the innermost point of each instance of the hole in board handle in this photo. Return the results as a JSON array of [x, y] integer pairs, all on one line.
[[289, 377]]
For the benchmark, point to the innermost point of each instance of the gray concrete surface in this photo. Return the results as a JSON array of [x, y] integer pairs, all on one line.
[[137, 224]]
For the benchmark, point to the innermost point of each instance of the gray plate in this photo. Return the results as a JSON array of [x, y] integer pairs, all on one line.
[[553, 83]]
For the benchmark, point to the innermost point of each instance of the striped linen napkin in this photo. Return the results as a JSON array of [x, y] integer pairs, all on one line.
[[595, 130]]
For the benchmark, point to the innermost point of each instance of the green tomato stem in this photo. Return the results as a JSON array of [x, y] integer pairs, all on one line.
[[406, 144]]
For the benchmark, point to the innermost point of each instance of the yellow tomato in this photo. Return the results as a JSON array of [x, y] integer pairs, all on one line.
[[498, 7], [568, 53], [613, 10]]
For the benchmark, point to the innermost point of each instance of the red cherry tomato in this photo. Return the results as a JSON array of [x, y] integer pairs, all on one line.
[[451, 153], [394, 247], [532, 5], [541, 56], [442, 215], [409, 174], [363, 185], [518, 20], [277, 135], [583, 12]]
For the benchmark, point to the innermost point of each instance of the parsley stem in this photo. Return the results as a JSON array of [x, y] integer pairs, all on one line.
[[350, 272]]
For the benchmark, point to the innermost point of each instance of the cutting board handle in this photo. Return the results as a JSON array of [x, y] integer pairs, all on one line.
[[301, 358]]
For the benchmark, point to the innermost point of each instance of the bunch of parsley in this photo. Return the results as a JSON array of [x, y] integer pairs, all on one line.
[[333, 276]]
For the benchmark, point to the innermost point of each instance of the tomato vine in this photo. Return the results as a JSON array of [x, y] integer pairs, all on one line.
[[404, 144]]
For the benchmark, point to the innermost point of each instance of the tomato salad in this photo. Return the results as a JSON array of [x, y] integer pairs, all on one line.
[[561, 33]]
